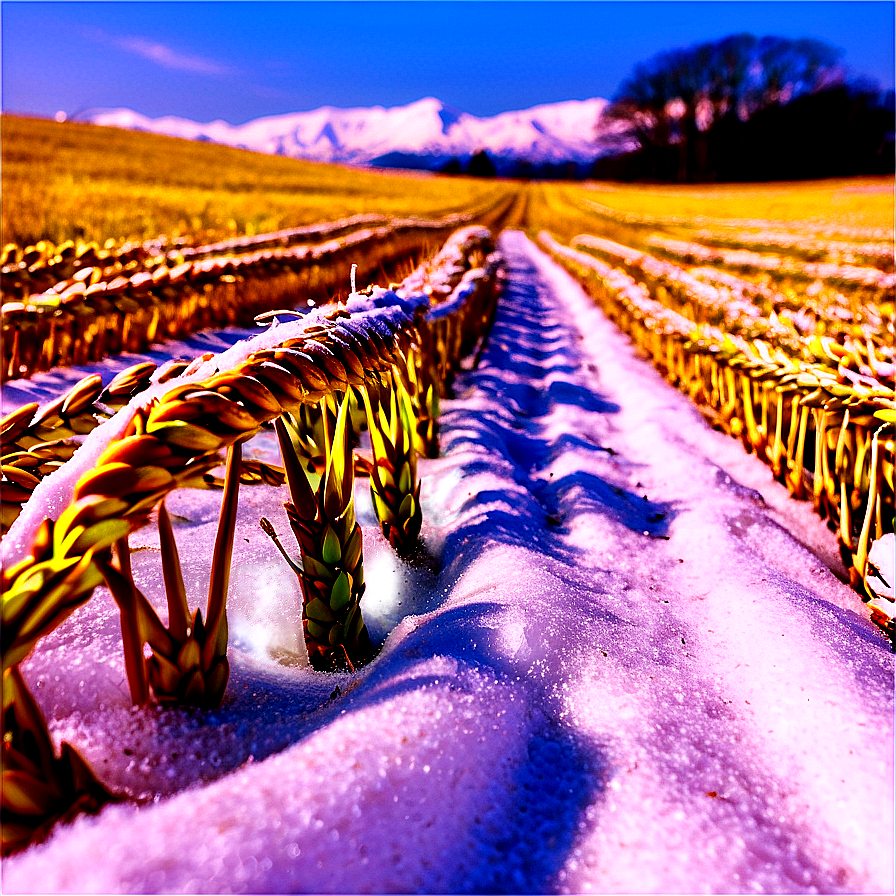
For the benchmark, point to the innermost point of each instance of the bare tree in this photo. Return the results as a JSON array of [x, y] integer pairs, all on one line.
[[677, 97]]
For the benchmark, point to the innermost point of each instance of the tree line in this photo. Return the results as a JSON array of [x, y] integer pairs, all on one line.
[[743, 109]]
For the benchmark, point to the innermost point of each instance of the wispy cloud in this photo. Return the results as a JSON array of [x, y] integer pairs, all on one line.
[[163, 55], [170, 58]]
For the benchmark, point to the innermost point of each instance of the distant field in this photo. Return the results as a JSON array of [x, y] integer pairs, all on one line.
[[79, 181], [840, 203], [68, 181]]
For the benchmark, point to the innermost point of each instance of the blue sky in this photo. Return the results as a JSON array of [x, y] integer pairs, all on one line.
[[240, 60]]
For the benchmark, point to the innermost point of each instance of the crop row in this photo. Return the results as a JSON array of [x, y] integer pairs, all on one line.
[[46, 267], [870, 253], [815, 331], [826, 432], [98, 314], [381, 355], [739, 258], [38, 440]]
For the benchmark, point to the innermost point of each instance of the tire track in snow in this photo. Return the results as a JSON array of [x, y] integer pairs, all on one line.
[[723, 786]]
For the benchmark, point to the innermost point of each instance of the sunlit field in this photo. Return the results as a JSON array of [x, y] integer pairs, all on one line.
[[840, 204], [77, 181]]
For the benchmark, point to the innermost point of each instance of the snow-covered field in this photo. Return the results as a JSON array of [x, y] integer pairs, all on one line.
[[636, 670]]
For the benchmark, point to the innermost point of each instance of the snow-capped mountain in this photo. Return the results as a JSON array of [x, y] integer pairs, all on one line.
[[427, 131]]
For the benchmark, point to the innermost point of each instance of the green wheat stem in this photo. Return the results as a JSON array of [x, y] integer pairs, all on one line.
[[131, 637], [216, 616], [178, 608]]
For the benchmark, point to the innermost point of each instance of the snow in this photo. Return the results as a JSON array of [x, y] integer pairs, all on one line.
[[556, 132], [637, 670]]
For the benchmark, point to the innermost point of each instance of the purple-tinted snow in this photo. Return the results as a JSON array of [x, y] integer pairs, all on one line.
[[635, 672]]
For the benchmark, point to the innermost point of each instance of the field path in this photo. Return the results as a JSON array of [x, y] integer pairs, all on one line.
[[635, 672], [743, 701]]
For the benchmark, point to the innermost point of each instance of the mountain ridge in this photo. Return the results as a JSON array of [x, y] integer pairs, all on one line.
[[427, 132]]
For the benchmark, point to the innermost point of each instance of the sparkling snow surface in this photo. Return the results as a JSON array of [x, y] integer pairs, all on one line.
[[635, 672]]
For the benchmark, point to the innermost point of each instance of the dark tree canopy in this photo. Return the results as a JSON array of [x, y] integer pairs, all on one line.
[[481, 165], [452, 166], [738, 75], [682, 111]]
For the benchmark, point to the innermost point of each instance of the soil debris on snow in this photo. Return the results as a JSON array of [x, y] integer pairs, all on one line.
[[637, 670]]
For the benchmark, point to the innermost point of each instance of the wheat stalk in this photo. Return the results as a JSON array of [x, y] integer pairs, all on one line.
[[173, 441], [331, 569], [394, 484], [40, 789]]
